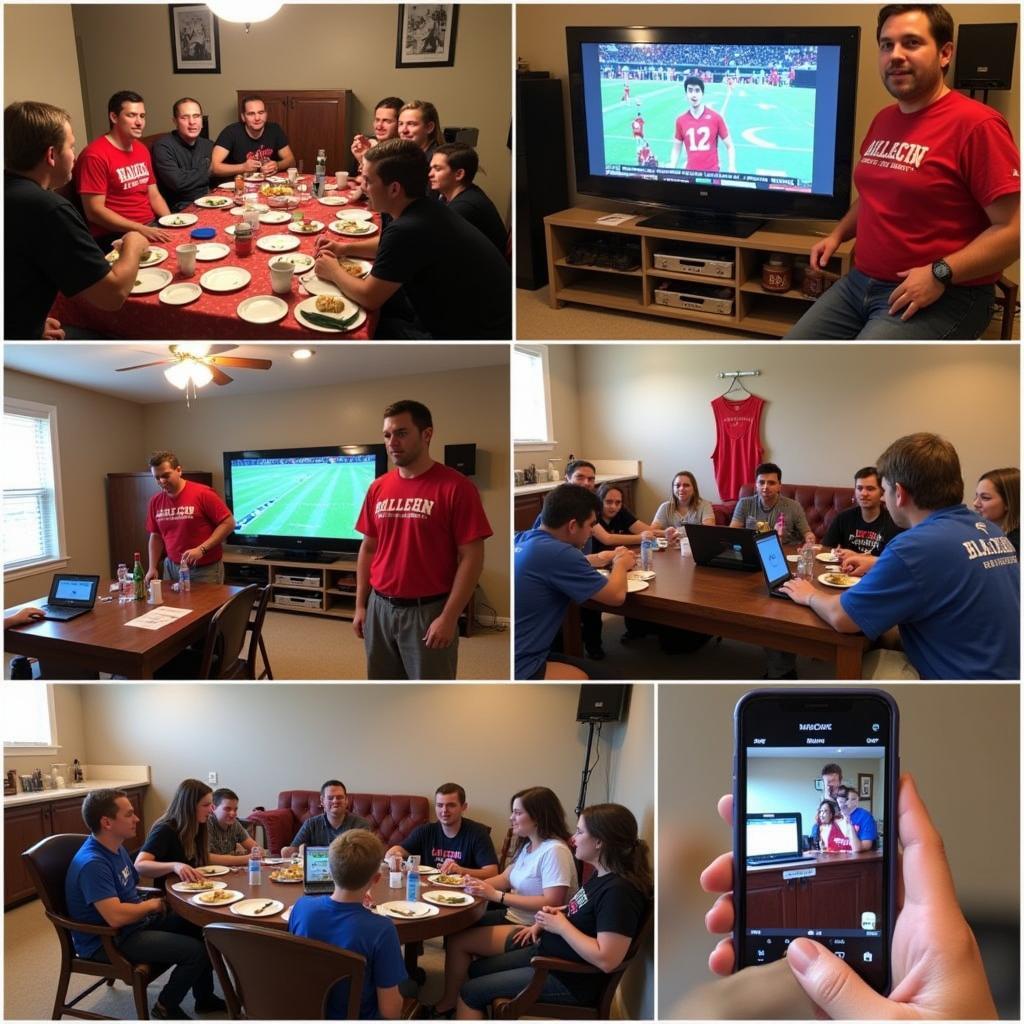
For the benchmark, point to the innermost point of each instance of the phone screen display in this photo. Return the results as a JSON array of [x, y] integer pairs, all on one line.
[[815, 826]]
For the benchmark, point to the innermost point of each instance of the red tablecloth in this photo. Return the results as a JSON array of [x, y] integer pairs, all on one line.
[[213, 315]]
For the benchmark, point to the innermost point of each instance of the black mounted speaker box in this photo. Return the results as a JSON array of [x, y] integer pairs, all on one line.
[[603, 702], [461, 457], [984, 56]]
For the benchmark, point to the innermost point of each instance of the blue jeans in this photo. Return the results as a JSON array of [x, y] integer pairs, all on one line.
[[212, 573], [857, 306], [505, 976]]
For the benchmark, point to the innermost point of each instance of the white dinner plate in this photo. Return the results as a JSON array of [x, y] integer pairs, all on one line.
[[262, 309], [827, 556], [311, 227], [277, 243], [276, 860], [275, 217], [258, 207], [354, 228], [632, 586], [230, 230], [310, 306], [257, 908], [228, 186], [181, 887], [425, 869], [212, 251], [448, 899], [299, 260], [233, 897], [854, 580], [180, 294], [177, 220], [287, 881], [404, 910], [641, 574], [360, 214], [210, 870], [792, 558], [449, 885], [278, 179], [213, 202], [150, 257], [286, 914], [151, 280], [225, 279], [332, 201], [315, 286]]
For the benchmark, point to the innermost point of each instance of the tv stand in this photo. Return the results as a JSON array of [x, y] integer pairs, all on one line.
[[321, 557], [754, 310], [705, 223]]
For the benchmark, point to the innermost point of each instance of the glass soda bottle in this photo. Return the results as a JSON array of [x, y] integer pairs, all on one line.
[[138, 579]]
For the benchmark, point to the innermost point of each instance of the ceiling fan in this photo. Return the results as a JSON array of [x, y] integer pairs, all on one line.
[[198, 364]]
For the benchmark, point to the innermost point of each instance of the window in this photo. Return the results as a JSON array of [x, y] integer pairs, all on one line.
[[531, 399], [29, 725], [33, 517]]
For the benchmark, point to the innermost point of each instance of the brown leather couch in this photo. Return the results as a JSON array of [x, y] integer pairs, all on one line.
[[392, 818], [821, 504]]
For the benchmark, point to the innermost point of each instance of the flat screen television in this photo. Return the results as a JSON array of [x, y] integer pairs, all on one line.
[[301, 502], [721, 127]]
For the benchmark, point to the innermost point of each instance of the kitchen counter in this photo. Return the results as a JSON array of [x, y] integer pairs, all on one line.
[[113, 777], [607, 470], [548, 486]]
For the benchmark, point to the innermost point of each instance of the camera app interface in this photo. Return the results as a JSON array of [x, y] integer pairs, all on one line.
[[815, 832]]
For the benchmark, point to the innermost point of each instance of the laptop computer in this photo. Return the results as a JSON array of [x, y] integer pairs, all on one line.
[[774, 838], [773, 563], [722, 547], [316, 871], [70, 596]]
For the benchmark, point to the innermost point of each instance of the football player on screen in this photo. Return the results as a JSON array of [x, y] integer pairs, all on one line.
[[699, 130]]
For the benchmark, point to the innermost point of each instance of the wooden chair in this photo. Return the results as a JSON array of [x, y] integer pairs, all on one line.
[[1006, 298], [221, 656], [47, 864], [271, 975], [506, 848], [528, 1002], [256, 646]]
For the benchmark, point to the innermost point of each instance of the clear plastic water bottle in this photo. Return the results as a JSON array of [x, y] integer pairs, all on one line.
[[255, 867], [184, 579], [805, 566], [647, 547], [320, 175], [122, 577], [412, 883], [780, 527]]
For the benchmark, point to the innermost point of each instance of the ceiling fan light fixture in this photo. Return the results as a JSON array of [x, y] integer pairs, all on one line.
[[201, 374], [244, 11], [178, 375], [196, 349], [304, 353]]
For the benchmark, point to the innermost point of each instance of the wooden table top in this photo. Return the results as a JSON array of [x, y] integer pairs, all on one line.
[[819, 859]]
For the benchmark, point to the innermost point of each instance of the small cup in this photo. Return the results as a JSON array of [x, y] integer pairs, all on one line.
[[281, 274], [156, 592], [293, 174], [341, 179], [186, 259], [395, 879]]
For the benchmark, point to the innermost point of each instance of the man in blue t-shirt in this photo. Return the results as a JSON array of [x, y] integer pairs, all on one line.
[[100, 888], [865, 830], [454, 844], [550, 571], [950, 582], [343, 919]]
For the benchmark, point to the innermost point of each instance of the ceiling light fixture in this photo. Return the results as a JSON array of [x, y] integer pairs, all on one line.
[[244, 11], [304, 353], [188, 375]]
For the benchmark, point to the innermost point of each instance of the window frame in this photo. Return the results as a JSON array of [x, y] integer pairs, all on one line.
[[16, 749], [38, 410], [539, 444]]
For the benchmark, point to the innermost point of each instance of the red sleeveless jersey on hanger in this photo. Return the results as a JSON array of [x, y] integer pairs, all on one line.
[[738, 448]]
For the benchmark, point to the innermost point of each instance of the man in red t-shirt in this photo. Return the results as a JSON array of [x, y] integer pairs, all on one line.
[[186, 520], [937, 217], [115, 178], [698, 131], [423, 528]]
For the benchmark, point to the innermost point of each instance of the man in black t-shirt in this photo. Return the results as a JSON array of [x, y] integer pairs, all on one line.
[[459, 287], [47, 246], [252, 144], [866, 528], [452, 170], [453, 844]]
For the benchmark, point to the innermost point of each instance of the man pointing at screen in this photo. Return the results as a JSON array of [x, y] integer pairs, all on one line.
[[937, 216]]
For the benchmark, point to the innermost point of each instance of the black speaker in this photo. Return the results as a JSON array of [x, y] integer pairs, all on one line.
[[603, 702], [470, 136], [542, 175], [461, 457], [984, 56]]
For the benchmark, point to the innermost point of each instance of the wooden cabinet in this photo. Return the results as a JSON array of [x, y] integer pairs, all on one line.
[[527, 506], [312, 119], [128, 497], [26, 824]]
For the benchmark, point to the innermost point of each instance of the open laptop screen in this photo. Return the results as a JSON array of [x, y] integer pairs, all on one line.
[[78, 589], [773, 834]]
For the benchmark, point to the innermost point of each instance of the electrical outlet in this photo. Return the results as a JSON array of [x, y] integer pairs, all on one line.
[[211, 778]]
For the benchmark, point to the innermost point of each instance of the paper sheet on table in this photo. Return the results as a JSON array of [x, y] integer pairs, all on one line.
[[158, 618]]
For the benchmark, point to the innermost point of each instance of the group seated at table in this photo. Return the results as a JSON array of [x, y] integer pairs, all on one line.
[[939, 595]]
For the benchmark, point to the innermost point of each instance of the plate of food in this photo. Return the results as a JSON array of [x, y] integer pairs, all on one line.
[[277, 187], [827, 556], [299, 260], [211, 870], [455, 881], [258, 207], [149, 258], [290, 874], [154, 279], [228, 186], [838, 579], [225, 279], [316, 286], [257, 908], [351, 227], [211, 251], [426, 869], [306, 227], [276, 860], [640, 574], [322, 312], [217, 898], [262, 309], [448, 899], [203, 886], [180, 294], [277, 243], [213, 202], [332, 200], [405, 910], [177, 220], [275, 217]]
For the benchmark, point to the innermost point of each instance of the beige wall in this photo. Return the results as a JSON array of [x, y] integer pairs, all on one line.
[[831, 409], [43, 65], [467, 405], [97, 435], [540, 39], [306, 46], [67, 713], [565, 418], [957, 742]]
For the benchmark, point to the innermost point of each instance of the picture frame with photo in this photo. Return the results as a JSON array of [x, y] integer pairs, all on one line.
[[426, 35], [865, 784], [195, 39]]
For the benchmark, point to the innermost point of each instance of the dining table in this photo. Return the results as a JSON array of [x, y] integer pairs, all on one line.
[[411, 931], [214, 314], [101, 639], [730, 603]]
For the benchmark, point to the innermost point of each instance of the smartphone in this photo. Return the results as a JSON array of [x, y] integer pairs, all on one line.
[[814, 825]]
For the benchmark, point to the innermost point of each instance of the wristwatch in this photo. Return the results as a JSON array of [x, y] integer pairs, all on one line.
[[942, 272]]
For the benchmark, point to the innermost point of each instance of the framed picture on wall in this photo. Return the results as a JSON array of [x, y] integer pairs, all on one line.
[[195, 40], [864, 785], [426, 35]]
